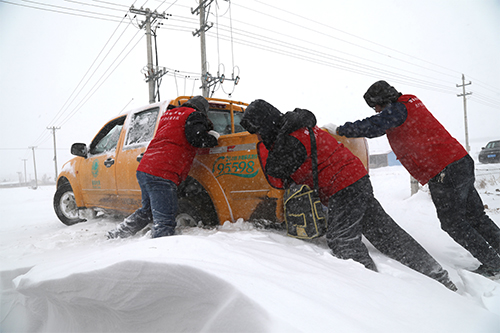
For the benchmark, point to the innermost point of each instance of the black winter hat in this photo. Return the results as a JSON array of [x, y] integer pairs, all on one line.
[[199, 103], [381, 93], [262, 118]]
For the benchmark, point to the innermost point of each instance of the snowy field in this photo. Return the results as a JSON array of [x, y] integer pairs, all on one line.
[[235, 278]]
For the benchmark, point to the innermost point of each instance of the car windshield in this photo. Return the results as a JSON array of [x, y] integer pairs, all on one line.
[[107, 139]]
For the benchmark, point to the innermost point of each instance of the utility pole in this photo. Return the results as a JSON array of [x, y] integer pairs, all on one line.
[[151, 76], [53, 128], [201, 32], [25, 179], [34, 164], [464, 94], [413, 185]]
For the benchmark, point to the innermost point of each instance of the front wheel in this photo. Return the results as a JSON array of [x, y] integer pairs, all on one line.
[[65, 205]]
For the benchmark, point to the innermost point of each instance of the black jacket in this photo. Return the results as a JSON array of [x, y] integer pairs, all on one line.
[[288, 153], [196, 129]]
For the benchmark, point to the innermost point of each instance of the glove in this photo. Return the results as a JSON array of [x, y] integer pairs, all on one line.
[[332, 128], [214, 133]]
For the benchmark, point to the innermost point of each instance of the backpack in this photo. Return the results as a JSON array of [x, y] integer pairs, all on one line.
[[304, 215]]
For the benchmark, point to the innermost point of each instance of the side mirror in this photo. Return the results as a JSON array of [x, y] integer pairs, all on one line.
[[79, 149]]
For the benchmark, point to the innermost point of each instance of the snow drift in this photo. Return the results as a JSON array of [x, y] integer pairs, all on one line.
[[235, 278]]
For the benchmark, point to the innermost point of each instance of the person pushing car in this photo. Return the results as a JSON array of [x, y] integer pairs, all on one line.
[[344, 186], [431, 155], [165, 164]]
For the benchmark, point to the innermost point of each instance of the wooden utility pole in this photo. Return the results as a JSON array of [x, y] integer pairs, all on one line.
[[464, 94], [53, 128]]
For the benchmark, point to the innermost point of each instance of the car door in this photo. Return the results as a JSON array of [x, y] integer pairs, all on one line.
[[98, 169], [139, 131], [236, 183]]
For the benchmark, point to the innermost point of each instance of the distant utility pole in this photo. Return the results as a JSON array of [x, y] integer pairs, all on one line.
[[152, 74], [413, 185], [464, 94], [25, 179], [34, 164], [201, 32], [53, 128]]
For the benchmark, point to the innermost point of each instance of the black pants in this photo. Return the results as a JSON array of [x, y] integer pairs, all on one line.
[[461, 212], [354, 211]]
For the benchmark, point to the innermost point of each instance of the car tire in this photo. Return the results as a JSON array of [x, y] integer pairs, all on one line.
[[195, 209], [195, 202], [187, 215], [65, 205]]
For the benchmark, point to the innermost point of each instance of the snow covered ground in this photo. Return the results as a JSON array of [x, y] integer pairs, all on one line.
[[235, 278]]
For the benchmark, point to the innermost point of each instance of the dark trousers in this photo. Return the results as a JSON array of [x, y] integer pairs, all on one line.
[[353, 212], [159, 203], [461, 212]]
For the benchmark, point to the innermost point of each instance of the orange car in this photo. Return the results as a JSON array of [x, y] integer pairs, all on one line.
[[225, 183]]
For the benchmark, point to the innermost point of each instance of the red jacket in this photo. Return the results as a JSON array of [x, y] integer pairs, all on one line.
[[170, 155], [421, 143], [337, 166]]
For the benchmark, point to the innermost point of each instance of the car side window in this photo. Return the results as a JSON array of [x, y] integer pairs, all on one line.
[[222, 121], [107, 139], [493, 144], [142, 127]]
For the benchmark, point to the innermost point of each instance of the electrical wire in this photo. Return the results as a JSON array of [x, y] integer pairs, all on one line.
[[349, 34], [93, 90], [88, 70], [280, 47]]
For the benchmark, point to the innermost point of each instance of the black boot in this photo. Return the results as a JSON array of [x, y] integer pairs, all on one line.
[[129, 227], [488, 272]]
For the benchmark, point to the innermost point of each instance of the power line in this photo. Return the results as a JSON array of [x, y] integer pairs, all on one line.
[[322, 55], [347, 62], [180, 28], [63, 109], [362, 69], [59, 11], [91, 93], [92, 5], [112, 3], [274, 42], [349, 34]]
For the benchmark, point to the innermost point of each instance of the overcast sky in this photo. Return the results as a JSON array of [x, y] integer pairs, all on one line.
[[76, 64]]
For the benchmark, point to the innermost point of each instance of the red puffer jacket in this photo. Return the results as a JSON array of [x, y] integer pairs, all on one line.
[[421, 143]]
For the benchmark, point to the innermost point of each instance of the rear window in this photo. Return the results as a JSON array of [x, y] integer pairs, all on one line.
[[222, 121], [493, 144]]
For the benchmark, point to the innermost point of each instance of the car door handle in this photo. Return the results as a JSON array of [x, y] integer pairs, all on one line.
[[139, 157], [109, 162]]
